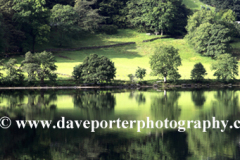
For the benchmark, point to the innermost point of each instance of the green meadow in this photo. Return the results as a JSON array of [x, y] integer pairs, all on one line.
[[128, 58]]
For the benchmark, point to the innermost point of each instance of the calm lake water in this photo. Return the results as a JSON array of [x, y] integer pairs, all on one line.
[[119, 144]]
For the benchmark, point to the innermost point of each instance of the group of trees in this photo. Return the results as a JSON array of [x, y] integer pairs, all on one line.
[[29, 22], [210, 33], [166, 60], [39, 66], [26, 23], [234, 5]]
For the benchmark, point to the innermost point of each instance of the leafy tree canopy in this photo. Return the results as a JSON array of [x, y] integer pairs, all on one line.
[[165, 62], [14, 72], [40, 65], [32, 18], [140, 73], [156, 15], [64, 20], [226, 67], [95, 69], [198, 72]]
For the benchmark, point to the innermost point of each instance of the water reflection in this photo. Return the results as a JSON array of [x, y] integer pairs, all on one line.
[[166, 106], [108, 144], [198, 98]]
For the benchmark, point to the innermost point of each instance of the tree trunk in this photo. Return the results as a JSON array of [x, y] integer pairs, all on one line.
[[161, 32], [165, 79], [42, 81], [33, 44]]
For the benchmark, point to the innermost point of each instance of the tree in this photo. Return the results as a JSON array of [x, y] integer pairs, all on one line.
[[114, 10], [40, 65], [13, 37], [131, 77], [165, 62], [14, 73], [88, 18], [226, 67], [32, 18], [95, 69], [64, 20], [140, 73], [155, 15], [210, 39], [198, 72]]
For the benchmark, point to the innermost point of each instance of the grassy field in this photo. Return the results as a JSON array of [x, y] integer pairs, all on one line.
[[128, 58]]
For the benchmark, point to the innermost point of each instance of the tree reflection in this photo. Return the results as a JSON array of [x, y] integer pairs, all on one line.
[[31, 105], [166, 106], [140, 98], [94, 104], [198, 98], [214, 142], [172, 147]]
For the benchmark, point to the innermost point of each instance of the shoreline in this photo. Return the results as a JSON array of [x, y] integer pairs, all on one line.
[[167, 86]]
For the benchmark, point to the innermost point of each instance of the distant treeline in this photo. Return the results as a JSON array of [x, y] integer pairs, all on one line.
[[25, 23], [225, 4]]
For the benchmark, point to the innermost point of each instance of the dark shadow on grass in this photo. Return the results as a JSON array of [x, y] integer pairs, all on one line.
[[112, 53]]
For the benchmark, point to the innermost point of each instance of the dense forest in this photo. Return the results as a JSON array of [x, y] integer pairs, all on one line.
[[26, 23]]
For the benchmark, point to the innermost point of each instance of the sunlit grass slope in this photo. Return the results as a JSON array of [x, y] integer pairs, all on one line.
[[128, 58]]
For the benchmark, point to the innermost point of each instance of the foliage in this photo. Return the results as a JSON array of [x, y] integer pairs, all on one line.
[[156, 15], [165, 62], [40, 65], [88, 18], [32, 18], [198, 72], [209, 36], [64, 20], [14, 73], [131, 77], [114, 10], [13, 37], [226, 67], [95, 69], [140, 73]]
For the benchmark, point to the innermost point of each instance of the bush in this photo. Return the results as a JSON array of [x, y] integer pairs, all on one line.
[[95, 69], [140, 73], [108, 29], [198, 72]]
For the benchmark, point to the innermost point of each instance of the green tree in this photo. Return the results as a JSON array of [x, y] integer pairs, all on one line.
[[14, 72], [198, 72], [88, 18], [211, 39], [140, 73], [114, 10], [165, 62], [13, 37], [154, 15], [226, 67], [64, 20], [95, 69], [40, 65], [32, 18]]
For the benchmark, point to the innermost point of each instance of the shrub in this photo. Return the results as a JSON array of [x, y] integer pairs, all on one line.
[[95, 69], [198, 72]]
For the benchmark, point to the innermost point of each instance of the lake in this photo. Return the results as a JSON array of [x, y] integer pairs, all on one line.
[[120, 143]]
